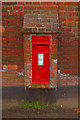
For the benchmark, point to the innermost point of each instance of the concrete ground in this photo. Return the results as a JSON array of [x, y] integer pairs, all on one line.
[[12, 109]]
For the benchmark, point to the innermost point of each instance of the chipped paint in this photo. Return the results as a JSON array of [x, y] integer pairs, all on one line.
[[5, 68], [59, 71], [21, 73], [55, 61], [67, 79], [67, 76]]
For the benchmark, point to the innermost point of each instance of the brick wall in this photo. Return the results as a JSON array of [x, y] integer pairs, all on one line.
[[68, 43], [13, 52], [12, 42]]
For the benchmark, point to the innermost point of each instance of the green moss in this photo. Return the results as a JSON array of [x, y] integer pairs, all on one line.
[[38, 86], [33, 85]]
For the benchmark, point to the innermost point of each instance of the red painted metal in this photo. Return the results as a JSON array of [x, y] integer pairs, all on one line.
[[40, 59]]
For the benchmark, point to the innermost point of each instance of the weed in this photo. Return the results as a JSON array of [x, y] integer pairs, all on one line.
[[54, 107], [36, 104]]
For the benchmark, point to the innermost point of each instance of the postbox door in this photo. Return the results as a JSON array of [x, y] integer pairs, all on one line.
[[41, 60]]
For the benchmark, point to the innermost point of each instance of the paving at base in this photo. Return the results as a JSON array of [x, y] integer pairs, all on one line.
[[12, 109]]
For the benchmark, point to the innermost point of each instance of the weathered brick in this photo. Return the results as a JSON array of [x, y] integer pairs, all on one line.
[[12, 67], [69, 24], [16, 7], [47, 3], [9, 8], [12, 13], [20, 13], [27, 3], [60, 3], [36, 3], [4, 34], [12, 19], [11, 29], [71, 3], [70, 19], [30, 7], [9, 3], [4, 13], [9, 39], [63, 8], [20, 3], [62, 18], [12, 24], [71, 8], [40, 7]]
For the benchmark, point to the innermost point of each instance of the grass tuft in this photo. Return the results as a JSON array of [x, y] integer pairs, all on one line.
[[36, 104]]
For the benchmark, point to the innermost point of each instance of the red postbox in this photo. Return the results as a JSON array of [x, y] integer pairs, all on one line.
[[40, 59]]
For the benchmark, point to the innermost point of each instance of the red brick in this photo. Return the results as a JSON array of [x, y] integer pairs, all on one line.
[[71, 14], [70, 18], [53, 12], [2, 29], [27, 3], [76, 19], [16, 7], [9, 39], [12, 24], [12, 19], [20, 43], [71, 3], [62, 8], [53, 75], [9, 8], [28, 51], [9, 3], [4, 34], [12, 13], [46, 12], [12, 29], [76, 8], [22, 7], [60, 3], [36, 12], [62, 18], [70, 8], [69, 24], [40, 7], [27, 57], [20, 23], [4, 53], [20, 13], [12, 67], [4, 13], [75, 29], [11, 44], [12, 34], [36, 3], [20, 3], [51, 8], [47, 3], [30, 7], [28, 12], [61, 13], [55, 36], [20, 48], [66, 44], [4, 44]]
